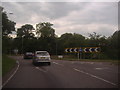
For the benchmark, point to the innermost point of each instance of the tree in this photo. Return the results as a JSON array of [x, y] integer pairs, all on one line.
[[94, 39], [72, 40], [45, 30], [69, 40], [26, 31], [25, 37], [114, 45], [7, 25], [47, 39]]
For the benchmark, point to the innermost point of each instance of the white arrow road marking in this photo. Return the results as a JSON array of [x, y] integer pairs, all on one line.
[[94, 76]]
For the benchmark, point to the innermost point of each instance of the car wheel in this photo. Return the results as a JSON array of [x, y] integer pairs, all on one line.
[[49, 63], [34, 63]]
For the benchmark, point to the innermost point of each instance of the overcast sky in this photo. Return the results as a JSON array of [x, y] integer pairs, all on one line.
[[67, 17]]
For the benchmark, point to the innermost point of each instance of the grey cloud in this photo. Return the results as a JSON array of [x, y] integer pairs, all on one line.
[[24, 11], [107, 14], [62, 9], [53, 9], [68, 13]]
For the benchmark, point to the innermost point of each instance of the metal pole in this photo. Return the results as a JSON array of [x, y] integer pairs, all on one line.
[[78, 55], [56, 48], [22, 45]]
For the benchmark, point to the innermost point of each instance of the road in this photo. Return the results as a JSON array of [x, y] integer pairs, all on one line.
[[64, 74]]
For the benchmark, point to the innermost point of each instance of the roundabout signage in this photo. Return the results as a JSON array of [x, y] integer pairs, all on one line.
[[83, 49]]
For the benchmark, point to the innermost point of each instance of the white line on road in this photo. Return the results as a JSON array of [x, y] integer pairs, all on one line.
[[12, 74], [98, 68], [40, 69], [86, 62], [57, 63], [94, 76]]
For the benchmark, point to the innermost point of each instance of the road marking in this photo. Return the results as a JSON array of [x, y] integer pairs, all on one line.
[[73, 62], [40, 69], [86, 62], [57, 63], [95, 76], [99, 68], [12, 74], [108, 70], [91, 62], [81, 62]]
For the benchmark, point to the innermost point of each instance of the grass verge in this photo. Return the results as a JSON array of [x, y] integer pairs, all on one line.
[[7, 64], [112, 62]]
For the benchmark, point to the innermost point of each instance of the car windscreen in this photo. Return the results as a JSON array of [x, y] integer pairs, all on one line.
[[29, 53], [42, 53]]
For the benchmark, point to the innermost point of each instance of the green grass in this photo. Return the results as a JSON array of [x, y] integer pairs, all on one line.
[[7, 64], [69, 58]]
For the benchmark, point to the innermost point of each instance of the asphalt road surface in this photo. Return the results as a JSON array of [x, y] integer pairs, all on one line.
[[63, 74]]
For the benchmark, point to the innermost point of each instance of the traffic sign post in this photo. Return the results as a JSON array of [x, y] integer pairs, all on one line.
[[78, 55], [81, 50], [16, 51], [91, 49]]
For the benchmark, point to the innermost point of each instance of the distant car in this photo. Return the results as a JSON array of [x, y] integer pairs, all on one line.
[[41, 57], [28, 55]]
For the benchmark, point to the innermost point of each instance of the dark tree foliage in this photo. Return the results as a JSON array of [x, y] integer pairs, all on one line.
[[68, 40], [25, 38], [7, 25], [25, 31], [114, 46], [45, 30], [47, 40]]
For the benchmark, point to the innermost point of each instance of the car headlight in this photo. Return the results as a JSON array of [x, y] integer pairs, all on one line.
[[46, 57], [37, 57]]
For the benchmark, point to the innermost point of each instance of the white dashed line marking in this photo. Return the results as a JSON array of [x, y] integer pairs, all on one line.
[[99, 68], [73, 62], [40, 69], [86, 62], [91, 62], [94, 76], [57, 63]]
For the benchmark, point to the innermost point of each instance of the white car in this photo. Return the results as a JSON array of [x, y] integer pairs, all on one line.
[[41, 57]]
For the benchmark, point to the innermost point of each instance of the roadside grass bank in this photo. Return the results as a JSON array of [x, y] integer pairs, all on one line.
[[7, 64], [70, 58]]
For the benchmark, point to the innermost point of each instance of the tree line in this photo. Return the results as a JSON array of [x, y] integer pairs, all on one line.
[[44, 38]]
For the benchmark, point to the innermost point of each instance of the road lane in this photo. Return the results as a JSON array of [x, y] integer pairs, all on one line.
[[29, 77], [60, 74], [106, 70], [95, 76]]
